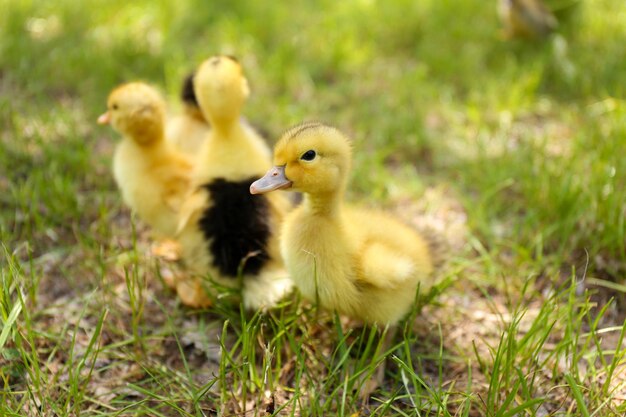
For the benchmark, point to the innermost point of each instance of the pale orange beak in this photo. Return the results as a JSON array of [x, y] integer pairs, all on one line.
[[275, 179], [104, 119]]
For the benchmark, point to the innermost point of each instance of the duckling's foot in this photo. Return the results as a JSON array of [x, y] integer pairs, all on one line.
[[167, 249], [169, 277], [192, 294], [372, 384], [376, 380]]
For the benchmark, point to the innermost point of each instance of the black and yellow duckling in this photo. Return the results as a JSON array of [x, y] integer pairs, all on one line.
[[224, 231]]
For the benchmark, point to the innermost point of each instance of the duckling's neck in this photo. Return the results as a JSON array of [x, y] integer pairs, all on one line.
[[149, 134], [225, 125], [323, 204], [154, 149]]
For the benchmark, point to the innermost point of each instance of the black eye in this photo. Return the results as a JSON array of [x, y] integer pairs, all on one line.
[[308, 155], [114, 106]]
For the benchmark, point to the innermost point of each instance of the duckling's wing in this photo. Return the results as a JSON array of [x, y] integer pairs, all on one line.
[[176, 191], [191, 208], [384, 267]]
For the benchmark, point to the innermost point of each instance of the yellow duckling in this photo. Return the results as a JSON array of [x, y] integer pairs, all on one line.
[[188, 130], [224, 231], [152, 176], [526, 18], [361, 263]]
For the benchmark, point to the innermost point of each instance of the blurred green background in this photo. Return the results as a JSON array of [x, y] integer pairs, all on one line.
[[529, 133]]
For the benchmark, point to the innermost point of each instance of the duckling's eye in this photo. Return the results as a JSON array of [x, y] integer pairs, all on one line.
[[308, 155], [114, 106]]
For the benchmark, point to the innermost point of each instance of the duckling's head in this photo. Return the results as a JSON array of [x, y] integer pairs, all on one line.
[[137, 111], [312, 158], [187, 95], [221, 88]]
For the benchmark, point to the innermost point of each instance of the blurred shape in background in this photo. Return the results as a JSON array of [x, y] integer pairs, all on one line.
[[187, 130], [529, 19]]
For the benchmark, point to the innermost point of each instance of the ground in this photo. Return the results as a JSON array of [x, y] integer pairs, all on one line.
[[510, 151]]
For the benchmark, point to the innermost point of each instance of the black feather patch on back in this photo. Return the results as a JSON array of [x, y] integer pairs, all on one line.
[[186, 93], [236, 227]]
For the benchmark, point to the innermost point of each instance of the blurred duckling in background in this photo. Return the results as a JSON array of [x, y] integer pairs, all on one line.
[[226, 233], [189, 129], [529, 19], [152, 176], [362, 263]]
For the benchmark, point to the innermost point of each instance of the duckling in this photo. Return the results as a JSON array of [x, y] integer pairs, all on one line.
[[526, 18], [151, 175], [188, 130], [224, 231], [361, 263]]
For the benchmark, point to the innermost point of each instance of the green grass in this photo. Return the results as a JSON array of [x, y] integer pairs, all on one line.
[[512, 150]]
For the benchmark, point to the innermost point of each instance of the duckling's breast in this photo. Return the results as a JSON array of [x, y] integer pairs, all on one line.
[[318, 260], [237, 227]]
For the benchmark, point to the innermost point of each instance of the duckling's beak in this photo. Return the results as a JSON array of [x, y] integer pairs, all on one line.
[[275, 179], [104, 119]]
